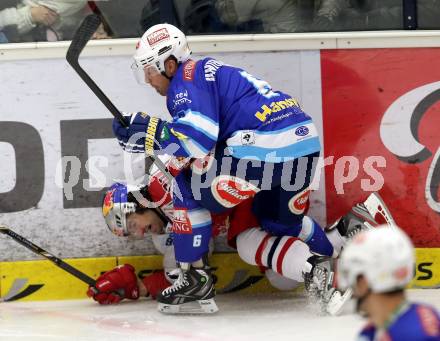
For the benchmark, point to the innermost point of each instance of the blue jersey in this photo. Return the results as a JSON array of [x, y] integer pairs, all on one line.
[[413, 322], [217, 104]]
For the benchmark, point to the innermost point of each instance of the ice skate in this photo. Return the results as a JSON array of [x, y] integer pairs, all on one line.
[[363, 216], [320, 286], [192, 293], [378, 210]]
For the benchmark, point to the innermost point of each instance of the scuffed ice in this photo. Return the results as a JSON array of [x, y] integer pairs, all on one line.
[[281, 316]]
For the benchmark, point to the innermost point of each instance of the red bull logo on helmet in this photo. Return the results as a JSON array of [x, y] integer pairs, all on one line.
[[107, 205]]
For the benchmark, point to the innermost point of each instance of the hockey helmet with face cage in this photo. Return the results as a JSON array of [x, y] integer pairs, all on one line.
[[383, 255], [121, 200], [115, 207], [157, 44]]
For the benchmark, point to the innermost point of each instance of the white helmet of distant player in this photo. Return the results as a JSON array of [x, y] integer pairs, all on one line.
[[383, 255], [157, 44]]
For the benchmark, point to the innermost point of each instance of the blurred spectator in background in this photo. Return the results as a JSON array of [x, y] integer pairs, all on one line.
[[331, 15], [52, 20], [121, 17], [201, 16], [266, 16], [19, 19], [153, 13], [43, 20], [102, 32], [356, 15], [190, 16], [380, 15], [428, 14]]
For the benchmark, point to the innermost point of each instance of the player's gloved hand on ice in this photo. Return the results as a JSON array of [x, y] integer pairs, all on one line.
[[140, 126], [115, 285], [155, 283]]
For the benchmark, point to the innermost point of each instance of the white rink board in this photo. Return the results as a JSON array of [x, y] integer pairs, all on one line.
[[255, 318], [42, 93]]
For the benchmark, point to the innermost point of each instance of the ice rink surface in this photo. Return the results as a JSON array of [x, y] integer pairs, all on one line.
[[268, 317]]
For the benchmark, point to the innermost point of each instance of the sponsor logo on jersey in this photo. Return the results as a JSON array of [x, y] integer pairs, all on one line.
[[211, 68], [267, 110], [157, 36], [302, 131], [298, 204], [247, 138], [108, 203], [229, 191], [181, 222], [279, 118], [181, 98], [188, 70]]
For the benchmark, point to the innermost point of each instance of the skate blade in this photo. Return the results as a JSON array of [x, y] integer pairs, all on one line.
[[337, 302], [196, 307], [378, 210]]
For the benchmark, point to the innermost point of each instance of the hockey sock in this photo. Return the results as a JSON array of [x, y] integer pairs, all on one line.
[[284, 255]]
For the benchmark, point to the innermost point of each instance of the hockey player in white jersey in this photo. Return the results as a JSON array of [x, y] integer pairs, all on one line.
[[125, 217]]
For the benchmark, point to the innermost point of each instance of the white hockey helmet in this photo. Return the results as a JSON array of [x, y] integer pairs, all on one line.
[[384, 255], [156, 45], [115, 207]]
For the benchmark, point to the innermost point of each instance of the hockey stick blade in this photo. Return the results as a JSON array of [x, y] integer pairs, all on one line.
[[79, 41], [83, 34], [38, 250]]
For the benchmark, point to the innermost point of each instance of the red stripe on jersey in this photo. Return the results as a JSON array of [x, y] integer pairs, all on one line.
[[283, 252], [260, 250]]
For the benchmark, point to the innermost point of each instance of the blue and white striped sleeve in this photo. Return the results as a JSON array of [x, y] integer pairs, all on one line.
[[195, 128]]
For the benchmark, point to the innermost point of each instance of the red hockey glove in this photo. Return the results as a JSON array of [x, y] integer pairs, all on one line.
[[115, 285], [155, 283]]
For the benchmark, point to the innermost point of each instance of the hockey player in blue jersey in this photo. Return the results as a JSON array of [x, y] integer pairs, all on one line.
[[377, 264], [263, 145]]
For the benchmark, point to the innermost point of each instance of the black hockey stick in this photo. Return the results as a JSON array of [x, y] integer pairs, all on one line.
[[79, 41], [57, 261]]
